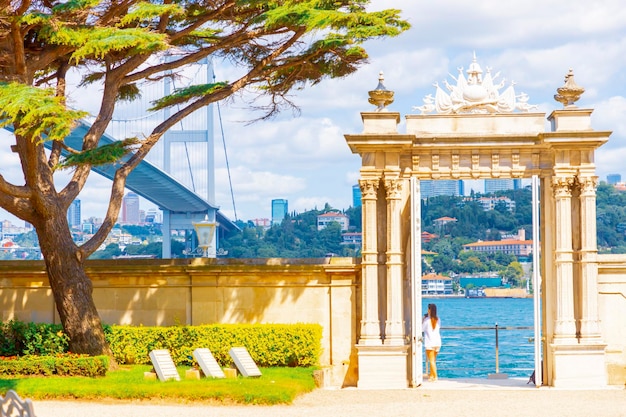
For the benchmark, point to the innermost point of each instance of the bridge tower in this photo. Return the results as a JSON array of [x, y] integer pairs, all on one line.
[[193, 147], [185, 153]]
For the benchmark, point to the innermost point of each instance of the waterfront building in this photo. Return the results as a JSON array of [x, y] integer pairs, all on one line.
[[490, 203], [325, 219], [279, 210], [356, 196], [485, 280], [264, 223], [73, 214], [614, 179], [434, 188], [152, 216], [493, 185], [509, 246], [427, 237], [434, 284], [620, 186], [130, 209], [352, 238], [442, 221], [87, 228]]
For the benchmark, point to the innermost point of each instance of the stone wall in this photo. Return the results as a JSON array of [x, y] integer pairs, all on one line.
[[203, 291], [506, 292], [612, 306]]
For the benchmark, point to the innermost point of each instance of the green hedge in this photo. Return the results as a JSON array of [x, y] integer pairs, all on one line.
[[64, 365], [268, 344], [18, 339]]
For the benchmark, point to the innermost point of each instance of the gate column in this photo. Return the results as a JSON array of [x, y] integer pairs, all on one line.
[[394, 327], [589, 323], [370, 324], [564, 324], [576, 353]]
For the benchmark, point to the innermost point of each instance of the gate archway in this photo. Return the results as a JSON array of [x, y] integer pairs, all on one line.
[[478, 133]]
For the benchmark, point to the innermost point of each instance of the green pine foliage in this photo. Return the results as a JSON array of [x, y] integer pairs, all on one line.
[[35, 112], [183, 95], [102, 155]]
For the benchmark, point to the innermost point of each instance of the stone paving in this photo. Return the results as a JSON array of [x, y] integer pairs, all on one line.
[[444, 398]]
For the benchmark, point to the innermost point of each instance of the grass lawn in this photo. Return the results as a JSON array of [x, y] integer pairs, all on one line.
[[275, 386]]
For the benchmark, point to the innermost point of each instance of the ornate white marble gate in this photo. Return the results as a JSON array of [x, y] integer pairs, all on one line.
[[476, 133]]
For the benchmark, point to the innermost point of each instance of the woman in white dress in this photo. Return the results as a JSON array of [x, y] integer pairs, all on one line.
[[431, 326]]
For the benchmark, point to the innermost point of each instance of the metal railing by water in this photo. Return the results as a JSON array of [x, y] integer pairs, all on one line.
[[475, 348]]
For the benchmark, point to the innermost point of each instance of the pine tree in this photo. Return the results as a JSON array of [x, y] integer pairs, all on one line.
[[279, 45]]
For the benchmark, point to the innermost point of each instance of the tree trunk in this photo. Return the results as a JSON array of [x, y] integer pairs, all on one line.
[[72, 290]]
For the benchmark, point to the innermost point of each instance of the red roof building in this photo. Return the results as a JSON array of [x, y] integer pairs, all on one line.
[[509, 246]]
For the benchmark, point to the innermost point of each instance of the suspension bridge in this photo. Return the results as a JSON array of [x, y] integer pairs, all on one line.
[[178, 175]]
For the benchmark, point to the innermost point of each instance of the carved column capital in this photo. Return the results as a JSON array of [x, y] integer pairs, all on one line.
[[393, 188], [369, 188], [562, 186], [588, 185]]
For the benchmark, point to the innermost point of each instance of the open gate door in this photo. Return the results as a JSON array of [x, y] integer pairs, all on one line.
[[536, 282], [417, 358]]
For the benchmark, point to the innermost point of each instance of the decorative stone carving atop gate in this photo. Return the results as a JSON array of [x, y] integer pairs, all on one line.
[[479, 132], [476, 94]]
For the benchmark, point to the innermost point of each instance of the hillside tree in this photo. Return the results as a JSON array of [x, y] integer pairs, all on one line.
[[117, 47]]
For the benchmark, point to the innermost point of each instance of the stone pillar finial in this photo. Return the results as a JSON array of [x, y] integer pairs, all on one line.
[[381, 97], [570, 92]]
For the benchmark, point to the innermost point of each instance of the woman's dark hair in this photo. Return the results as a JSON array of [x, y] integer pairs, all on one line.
[[432, 309]]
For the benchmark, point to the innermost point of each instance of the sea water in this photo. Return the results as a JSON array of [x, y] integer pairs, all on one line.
[[471, 353]]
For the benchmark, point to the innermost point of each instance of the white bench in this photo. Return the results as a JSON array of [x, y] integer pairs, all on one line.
[[164, 365], [244, 362], [207, 363], [11, 405]]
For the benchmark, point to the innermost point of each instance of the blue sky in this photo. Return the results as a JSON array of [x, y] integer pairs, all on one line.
[[305, 159]]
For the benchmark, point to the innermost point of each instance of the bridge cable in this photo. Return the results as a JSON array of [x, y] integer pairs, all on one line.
[[182, 128], [230, 182]]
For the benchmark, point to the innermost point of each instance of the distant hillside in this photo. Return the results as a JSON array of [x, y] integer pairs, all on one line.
[[298, 236], [509, 211]]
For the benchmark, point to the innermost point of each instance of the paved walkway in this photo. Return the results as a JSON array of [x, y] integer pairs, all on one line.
[[444, 398]]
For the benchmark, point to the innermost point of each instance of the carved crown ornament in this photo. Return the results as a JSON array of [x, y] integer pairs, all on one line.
[[477, 93]]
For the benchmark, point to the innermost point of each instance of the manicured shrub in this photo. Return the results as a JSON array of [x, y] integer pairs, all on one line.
[[18, 338], [268, 344], [63, 365]]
